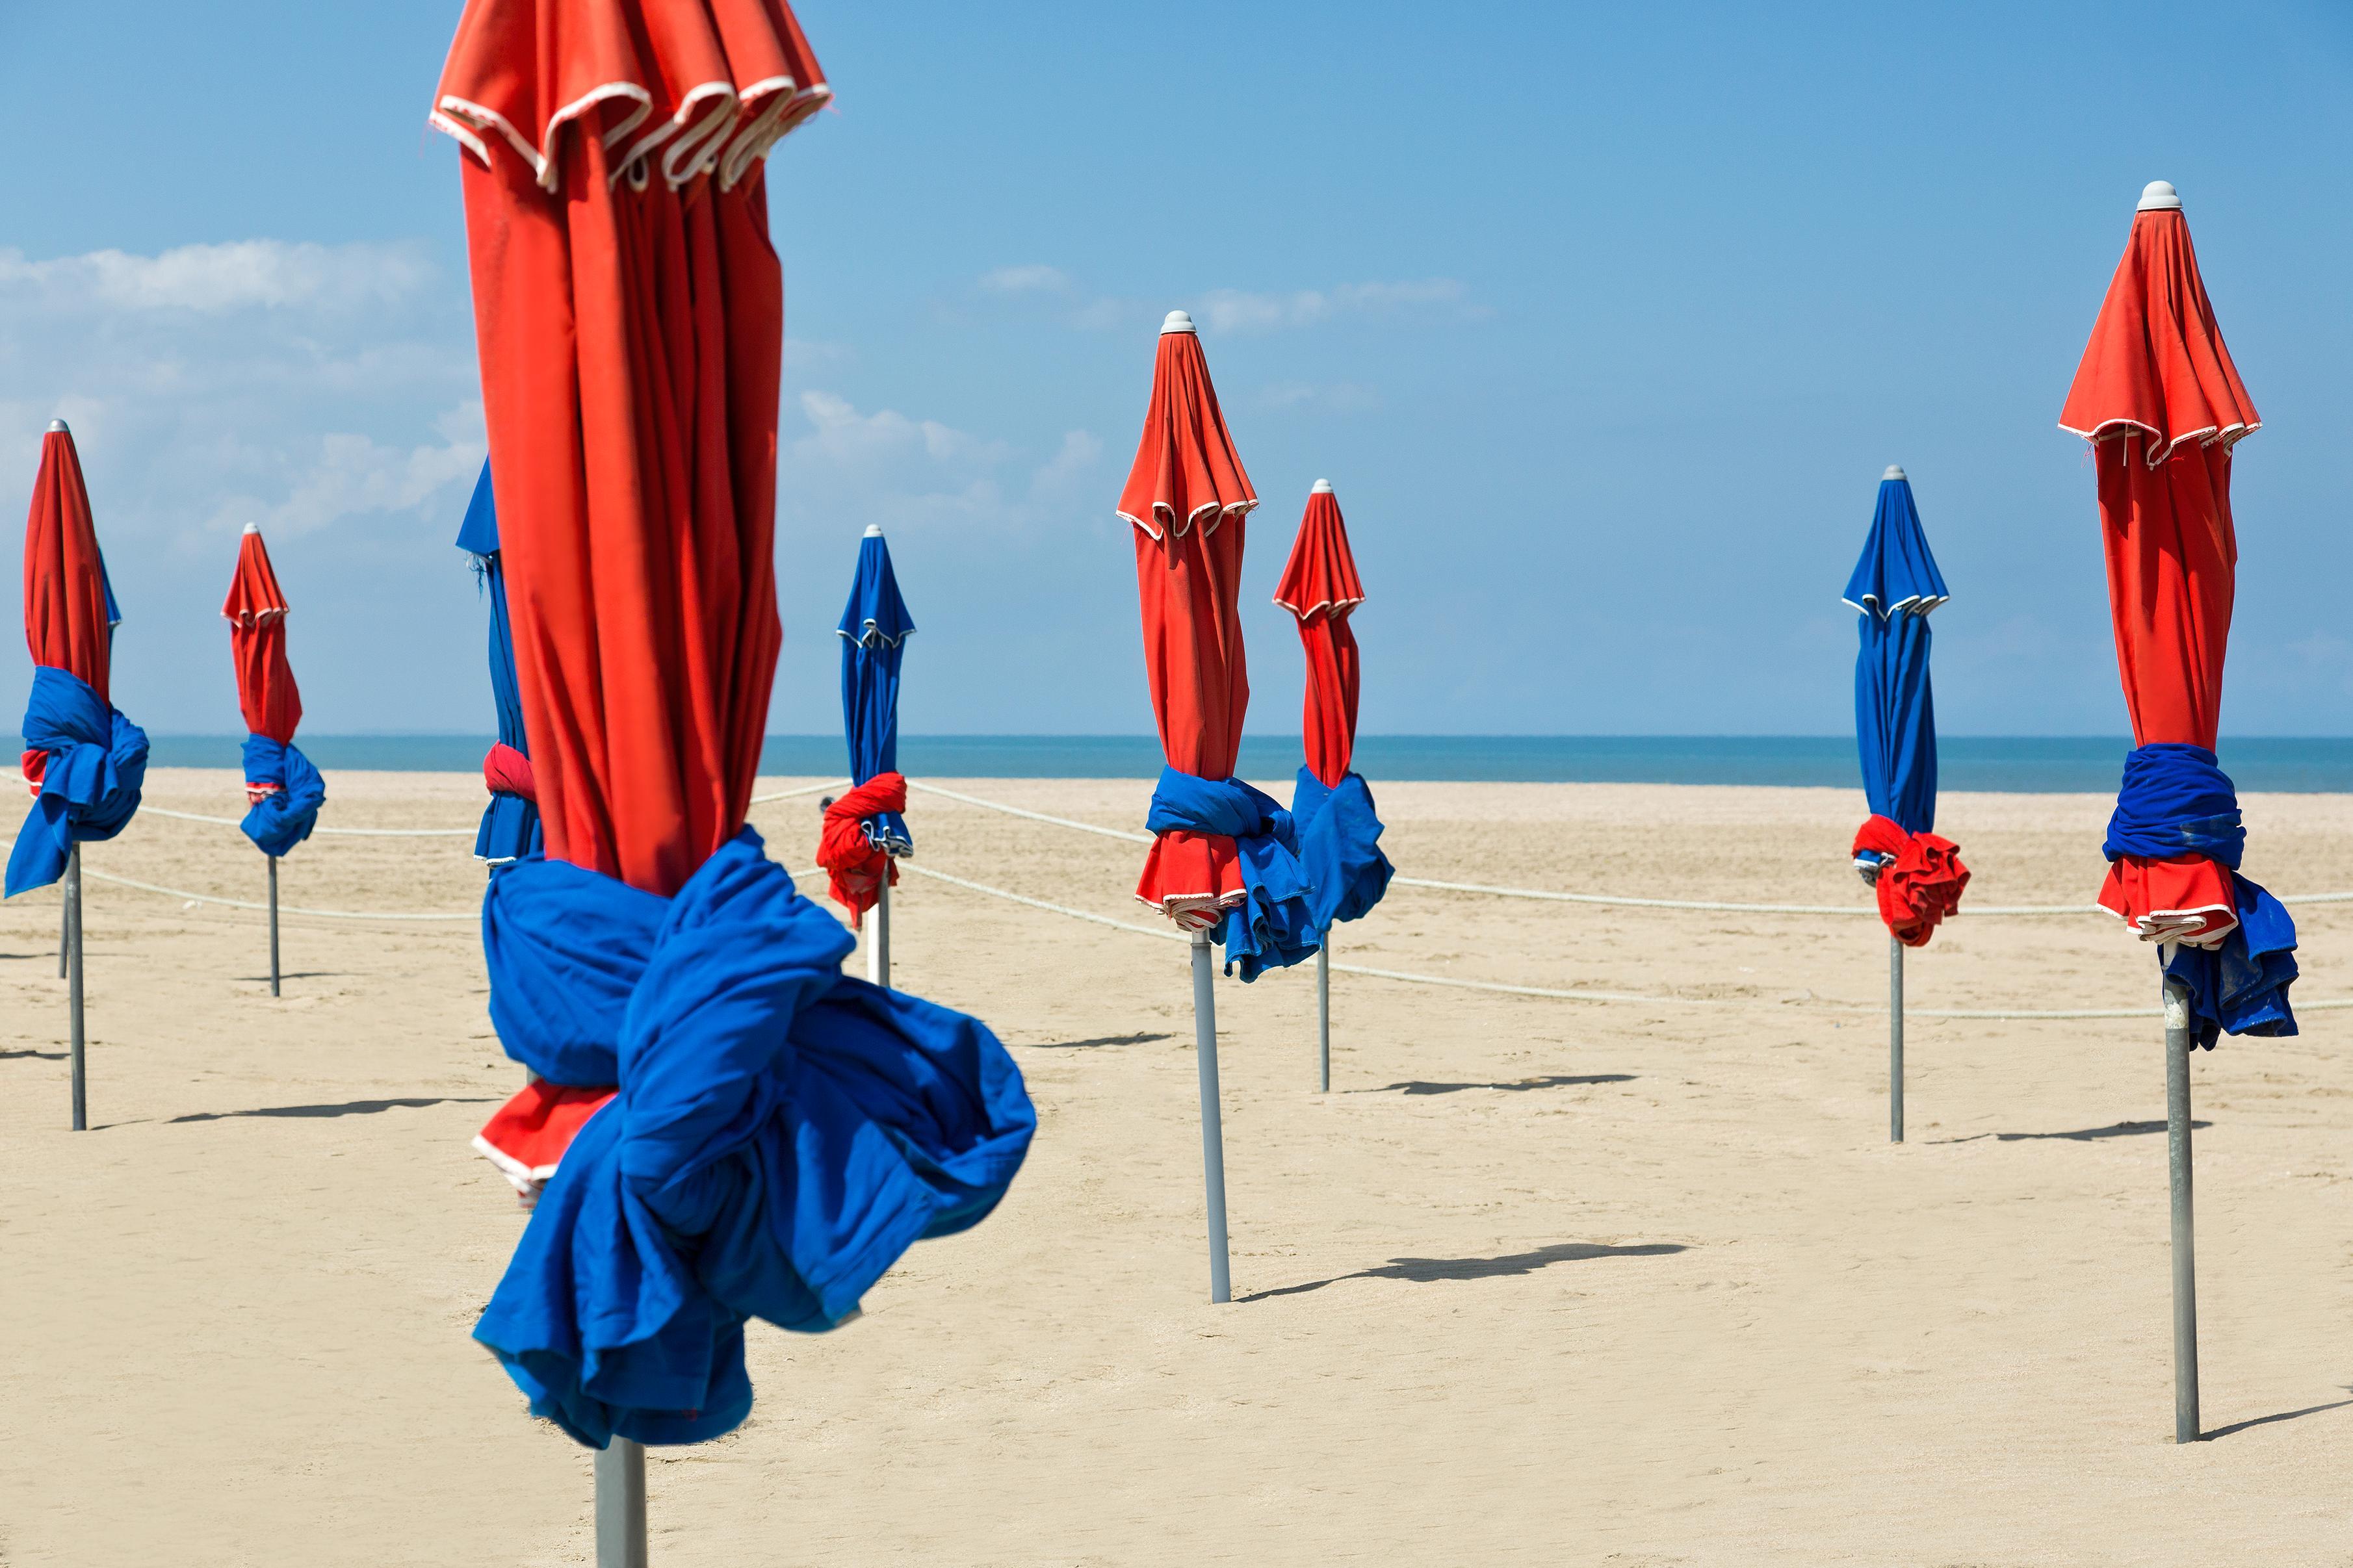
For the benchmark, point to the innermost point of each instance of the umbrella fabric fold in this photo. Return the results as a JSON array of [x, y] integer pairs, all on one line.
[[1339, 830], [510, 827], [778, 1133], [84, 763], [856, 865], [283, 791], [1218, 859], [2162, 406], [874, 630], [1917, 876]]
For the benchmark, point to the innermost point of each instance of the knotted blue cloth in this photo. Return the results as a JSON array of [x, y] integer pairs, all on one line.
[[283, 818], [1339, 847], [1895, 585], [874, 630], [780, 1136], [511, 826], [1272, 927], [2177, 800], [97, 761]]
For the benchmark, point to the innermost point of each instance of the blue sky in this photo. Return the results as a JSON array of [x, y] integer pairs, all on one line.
[[1603, 320]]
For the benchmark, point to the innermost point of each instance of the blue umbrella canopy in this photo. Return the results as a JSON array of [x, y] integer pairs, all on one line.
[[510, 827], [874, 630], [1894, 586]]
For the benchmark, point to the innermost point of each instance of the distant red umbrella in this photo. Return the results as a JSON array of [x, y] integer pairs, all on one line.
[[255, 612], [1189, 496], [68, 613], [1321, 588]]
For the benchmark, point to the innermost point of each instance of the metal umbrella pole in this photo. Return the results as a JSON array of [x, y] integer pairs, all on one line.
[[65, 936], [2177, 1045], [621, 1505], [1323, 1012], [273, 923], [73, 986], [1894, 1040], [1213, 1137], [878, 939]]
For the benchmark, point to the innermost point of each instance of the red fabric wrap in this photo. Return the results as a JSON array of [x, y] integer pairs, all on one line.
[[854, 867], [255, 612], [36, 768], [1923, 883], [527, 1136], [506, 770], [64, 582], [1321, 588], [2187, 899], [1189, 497]]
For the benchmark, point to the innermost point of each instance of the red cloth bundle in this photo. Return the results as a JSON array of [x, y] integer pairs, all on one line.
[[506, 770], [2187, 899], [1920, 878], [36, 768], [855, 866], [527, 1138]]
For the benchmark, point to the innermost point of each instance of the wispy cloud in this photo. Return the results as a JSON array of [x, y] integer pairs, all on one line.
[[1236, 310], [250, 274], [1329, 397], [890, 468], [346, 476], [1031, 279]]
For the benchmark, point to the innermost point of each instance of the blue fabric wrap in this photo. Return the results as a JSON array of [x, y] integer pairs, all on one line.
[[874, 628], [1272, 927], [510, 828], [276, 823], [2177, 800], [1896, 585], [97, 761], [781, 1135], [1339, 848]]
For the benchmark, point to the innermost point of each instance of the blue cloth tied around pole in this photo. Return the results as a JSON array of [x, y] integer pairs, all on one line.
[[780, 1136], [510, 827], [2176, 800], [283, 818], [98, 762], [1339, 847], [875, 625], [1272, 927]]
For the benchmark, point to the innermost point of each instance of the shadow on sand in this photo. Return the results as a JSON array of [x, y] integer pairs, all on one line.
[[2083, 1135], [1099, 1040], [1423, 1270], [348, 1107], [1550, 1080], [2269, 1420], [34, 1055]]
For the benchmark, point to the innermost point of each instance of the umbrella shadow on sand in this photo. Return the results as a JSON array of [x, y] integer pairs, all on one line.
[[2271, 1420], [2081, 1135], [348, 1107], [1424, 1270], [1522, 1086], [32, 1056], [1099, 1040]]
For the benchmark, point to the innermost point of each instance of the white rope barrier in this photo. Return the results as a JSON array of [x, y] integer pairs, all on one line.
[[348, 832], [282, 909], [804, 789], [1032, 816]]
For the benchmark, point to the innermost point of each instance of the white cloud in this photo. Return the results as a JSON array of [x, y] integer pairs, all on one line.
[[842, 436], [1034, 277], [251, 274], [1239, 310], [352, 476], [1330, 397], [886, 467]]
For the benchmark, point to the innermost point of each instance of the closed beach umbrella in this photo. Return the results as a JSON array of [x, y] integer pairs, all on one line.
[[1224, 856], [282, 790], [1339, 832], [776, 1135], [865, 829], [84, 761], [2162, 406], [1918, 875], [510, 827]]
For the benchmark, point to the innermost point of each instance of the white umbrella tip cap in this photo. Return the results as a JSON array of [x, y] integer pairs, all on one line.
[[1322, 488], [253, 528], [1892, 473], [1178, 322], [2159, 197], [874, 531], [57, 427]]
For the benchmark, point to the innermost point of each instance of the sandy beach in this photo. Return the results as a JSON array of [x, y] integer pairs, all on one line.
[[1540, 1280]]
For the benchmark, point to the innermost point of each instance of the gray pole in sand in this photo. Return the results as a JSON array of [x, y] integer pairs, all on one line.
[[73, 986], [65, 936], [2185, 1257], [878, 936], [1894, 1040], [621, 1505], [1213, 1136], [273, 924], [1323, 1012]]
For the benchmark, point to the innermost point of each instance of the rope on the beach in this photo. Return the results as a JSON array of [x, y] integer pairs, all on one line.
[[282, 909], [448, 832], [1713, 906]]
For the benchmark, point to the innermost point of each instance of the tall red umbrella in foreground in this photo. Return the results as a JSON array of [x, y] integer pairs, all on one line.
[[283, 792], [84, 761], [772, 1135], [1224, 856], [1339, 831], [2161, 404]]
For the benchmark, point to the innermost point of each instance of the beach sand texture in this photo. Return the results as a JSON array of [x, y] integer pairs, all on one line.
[[1539, 1281]]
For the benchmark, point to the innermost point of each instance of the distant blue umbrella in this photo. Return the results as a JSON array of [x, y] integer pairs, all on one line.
[[1894, 586], [510, 827], [874, 628]]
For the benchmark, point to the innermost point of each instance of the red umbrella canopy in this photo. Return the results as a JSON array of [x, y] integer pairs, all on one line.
[[1321, 588], [255, 612], [629, 318], [1189, 497], [65, 612], [2162, 404]]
